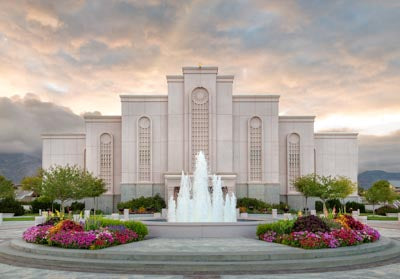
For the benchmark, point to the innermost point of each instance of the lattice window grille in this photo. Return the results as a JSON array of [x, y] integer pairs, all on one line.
[[144, 150], [255, 150], [293, 150], [200, 124], [106, 160]]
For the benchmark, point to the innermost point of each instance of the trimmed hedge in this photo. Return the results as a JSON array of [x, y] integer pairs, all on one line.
[[153, 204], [280, 227], [386, 209], [319, 206], [43, 204], [94, 223], [10, 205], [259, 205], [355, 206]]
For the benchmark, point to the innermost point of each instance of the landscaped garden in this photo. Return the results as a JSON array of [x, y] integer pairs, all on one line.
[[94, 233], [312, 232]]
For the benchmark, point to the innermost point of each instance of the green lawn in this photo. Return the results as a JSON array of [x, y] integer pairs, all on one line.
[[23, 218], [381, 218]]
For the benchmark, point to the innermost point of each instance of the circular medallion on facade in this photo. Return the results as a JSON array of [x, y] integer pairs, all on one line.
[[255, 122], [105, 138], [294, 138], [200, 96], [144, 122]]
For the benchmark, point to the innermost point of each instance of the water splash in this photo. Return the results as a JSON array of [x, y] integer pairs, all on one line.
[[196, 204]]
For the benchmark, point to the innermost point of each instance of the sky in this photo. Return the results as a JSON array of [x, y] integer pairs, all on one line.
[[338, 60]]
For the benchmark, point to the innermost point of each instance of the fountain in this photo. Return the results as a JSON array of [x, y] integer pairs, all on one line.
[[196, 204], [197, 213]]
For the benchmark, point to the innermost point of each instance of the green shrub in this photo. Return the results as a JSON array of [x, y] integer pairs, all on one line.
[[334, 203], [77, 206], [252, 204], [10, 205], [311, 224], [386, 209], [43, 204], [152, 204], [280, 227], [355, 206], [319, 206], [94, 223]]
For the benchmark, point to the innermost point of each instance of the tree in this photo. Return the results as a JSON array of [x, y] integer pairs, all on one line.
[[93, 187], [341, 188], [70, 183], [6, 188], [325, 189], [308, 186], [33, 183], [380, 191]]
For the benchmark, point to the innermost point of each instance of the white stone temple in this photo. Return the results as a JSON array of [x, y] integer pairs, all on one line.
[[257, 152]]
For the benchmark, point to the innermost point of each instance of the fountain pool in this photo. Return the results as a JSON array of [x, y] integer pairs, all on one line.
[[197, 213]]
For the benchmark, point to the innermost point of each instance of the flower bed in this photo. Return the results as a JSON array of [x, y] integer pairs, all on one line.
[[311, 232], [93, 235]]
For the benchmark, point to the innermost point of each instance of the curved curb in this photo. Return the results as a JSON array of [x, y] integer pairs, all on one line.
[[18, 252]]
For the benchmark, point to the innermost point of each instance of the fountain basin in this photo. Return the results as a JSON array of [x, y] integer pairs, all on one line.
[[242, 228]]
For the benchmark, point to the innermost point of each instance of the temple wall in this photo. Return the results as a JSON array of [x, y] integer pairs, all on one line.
[[63, 149], [304, 127], [337, 154]]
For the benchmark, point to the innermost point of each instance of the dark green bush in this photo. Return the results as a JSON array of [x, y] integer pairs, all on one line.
[[280, 227], [252, 204], [311, 224], [77, 206], [355, 206], [319, 206], [10, 205], [334, 203], [386, 209], [43, 204], [152, 204]]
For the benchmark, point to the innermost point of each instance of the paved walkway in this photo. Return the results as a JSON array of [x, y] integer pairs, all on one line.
[[12, 230]]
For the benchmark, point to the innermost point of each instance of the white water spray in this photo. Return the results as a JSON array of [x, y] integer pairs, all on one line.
[[196, 204]]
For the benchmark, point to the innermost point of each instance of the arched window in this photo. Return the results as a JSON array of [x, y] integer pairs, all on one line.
[[106, 160], [255, 149], [200, 123], [293, 160], [144, 149]]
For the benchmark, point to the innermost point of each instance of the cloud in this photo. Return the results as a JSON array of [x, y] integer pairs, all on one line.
[[338, 60], [380, 152], [23, 120]]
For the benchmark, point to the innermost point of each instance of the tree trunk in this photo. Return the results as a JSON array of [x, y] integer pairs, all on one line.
[[62, 209], [373, 209]]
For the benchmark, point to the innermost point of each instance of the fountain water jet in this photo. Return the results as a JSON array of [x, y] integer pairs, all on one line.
[[194, 204]]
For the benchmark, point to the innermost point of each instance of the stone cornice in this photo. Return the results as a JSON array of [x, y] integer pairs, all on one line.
[[144, 98], [200, 70], [63, 136], [336, 135], [296, 118], [256, 98], [225, 79], [102, 119], [174, 78]]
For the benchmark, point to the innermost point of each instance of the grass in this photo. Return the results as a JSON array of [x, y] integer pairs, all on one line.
[[381, 218], [23, 218]]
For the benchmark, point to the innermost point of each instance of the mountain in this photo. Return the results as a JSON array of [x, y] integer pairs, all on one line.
[[367, 178], [15, 166]]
